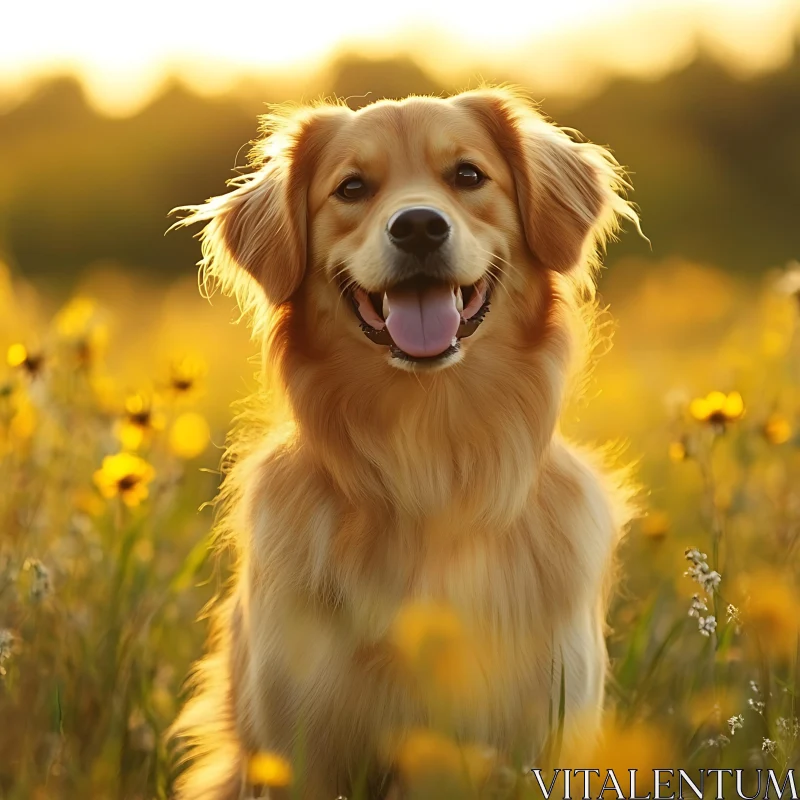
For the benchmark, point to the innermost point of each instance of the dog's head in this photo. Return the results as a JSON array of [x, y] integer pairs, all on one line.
[[403, 223]]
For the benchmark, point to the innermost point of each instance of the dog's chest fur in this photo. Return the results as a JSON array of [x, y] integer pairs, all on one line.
[[329, 586]]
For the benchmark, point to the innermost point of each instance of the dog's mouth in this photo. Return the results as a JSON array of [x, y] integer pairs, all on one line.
[[421, 319]]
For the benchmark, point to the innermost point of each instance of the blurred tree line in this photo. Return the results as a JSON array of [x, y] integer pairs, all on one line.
[[714, 158]]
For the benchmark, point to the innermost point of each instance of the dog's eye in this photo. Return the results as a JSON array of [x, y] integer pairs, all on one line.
[[351, 189], [468, 176]]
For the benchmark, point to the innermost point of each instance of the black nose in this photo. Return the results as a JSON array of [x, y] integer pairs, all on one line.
[[419, 230]]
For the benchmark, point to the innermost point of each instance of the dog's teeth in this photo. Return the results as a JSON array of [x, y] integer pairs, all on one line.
[[459, 300], [385, 306]]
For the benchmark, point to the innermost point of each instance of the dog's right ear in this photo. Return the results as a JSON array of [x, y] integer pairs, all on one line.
[[259, 228], [571, 194]]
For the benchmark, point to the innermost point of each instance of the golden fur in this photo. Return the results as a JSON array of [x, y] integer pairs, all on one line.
[[387, 486]]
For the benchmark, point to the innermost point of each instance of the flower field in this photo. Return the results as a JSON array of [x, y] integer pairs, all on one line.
[[114, 407]]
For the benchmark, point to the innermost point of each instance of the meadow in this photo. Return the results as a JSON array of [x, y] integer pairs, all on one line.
[[114, 407]]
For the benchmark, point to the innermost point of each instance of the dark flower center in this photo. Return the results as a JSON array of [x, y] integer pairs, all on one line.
[[127, 482], [33, 364]]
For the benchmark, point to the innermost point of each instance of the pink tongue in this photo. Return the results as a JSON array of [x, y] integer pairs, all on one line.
[[423, 322]]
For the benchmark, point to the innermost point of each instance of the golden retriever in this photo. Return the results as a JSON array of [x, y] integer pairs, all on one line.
[[422, 462]]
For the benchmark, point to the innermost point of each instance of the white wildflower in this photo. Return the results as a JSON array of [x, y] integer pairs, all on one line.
[[6, 645], [734, 617], [41, 585], [694, 555], [736, 723], [697, 571], [698, 606], [707, 625], [757, 705], [788, 728], [754, 688], [709, 580], [768, 746]]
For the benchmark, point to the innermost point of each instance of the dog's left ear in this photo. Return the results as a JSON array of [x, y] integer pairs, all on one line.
[[255, 236], [570, 194]]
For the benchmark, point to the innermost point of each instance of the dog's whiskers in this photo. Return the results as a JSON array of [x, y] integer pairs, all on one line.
[[345, 285], [494, 257], [338, 271], [497, 270]]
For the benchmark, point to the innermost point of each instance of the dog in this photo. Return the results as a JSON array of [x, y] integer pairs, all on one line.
[[421, 274]]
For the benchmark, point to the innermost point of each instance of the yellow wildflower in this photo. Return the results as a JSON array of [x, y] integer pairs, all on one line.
[[185, 375], [269, 769], [770, 605], [75, 317], [18, 417], [419, 624], [777, 429], [423, 754], [656, 524], [23, 423], [139, 423], [189, 435], [717, 408], [677, 451], [620, 748], [435, 646], [79, 324], [19, 356], [125, 475], [17, 353]]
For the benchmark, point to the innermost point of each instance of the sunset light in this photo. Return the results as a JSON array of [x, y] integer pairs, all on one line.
[[124, 52], [399, 399]]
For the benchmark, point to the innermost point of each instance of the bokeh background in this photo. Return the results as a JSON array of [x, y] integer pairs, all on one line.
[[118, 377]]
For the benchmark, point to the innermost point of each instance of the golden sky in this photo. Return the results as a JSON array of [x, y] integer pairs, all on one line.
[[124, 50]]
